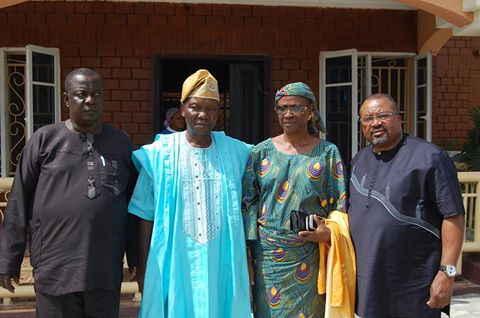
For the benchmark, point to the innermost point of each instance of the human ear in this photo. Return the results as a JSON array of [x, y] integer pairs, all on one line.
[[65, 99]]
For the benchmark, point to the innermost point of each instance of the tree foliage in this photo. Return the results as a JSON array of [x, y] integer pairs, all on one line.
[[472, 147]]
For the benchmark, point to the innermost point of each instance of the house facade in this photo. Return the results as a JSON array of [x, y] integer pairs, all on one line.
[[426, 54]]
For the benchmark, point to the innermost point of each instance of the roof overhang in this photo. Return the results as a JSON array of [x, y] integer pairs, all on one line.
[[7, 3], [471, 29], [438, 20], [357, 4]]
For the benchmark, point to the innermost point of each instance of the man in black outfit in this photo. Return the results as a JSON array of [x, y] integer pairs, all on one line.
[[70, 193], [406, 218]]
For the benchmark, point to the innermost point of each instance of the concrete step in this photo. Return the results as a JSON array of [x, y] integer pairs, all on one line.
[[462, 286]]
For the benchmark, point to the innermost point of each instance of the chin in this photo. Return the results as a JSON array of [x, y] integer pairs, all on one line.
[[92, 116], [294, 129], [201, 132], [379, 141]]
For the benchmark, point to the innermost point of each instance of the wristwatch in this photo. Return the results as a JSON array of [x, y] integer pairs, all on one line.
[[449, 270]]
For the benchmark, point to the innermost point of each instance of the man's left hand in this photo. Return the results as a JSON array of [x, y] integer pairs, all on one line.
[[440, 291]]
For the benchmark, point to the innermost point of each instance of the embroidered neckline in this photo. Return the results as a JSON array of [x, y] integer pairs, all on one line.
[[198, 148]]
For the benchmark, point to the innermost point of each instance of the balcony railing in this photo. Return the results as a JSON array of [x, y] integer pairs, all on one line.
[[5, 186], [469, 183]]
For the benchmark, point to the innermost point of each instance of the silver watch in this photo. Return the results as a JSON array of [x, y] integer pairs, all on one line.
[[449, 270]]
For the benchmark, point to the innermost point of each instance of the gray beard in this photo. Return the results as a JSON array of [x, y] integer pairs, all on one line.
[[380, 140]]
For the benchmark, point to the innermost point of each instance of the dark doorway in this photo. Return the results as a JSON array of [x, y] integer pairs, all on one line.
[[242, 83]]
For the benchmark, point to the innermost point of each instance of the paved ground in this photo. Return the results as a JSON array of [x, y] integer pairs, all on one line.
[[128, 309], [464, 306]]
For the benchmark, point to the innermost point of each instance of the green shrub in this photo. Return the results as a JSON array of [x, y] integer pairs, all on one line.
[[471, 148]]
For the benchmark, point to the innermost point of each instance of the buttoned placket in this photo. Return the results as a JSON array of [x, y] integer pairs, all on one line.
[[201, 169], [91, 187]]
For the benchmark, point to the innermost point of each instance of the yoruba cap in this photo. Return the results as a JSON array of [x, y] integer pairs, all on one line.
[[200, 84]]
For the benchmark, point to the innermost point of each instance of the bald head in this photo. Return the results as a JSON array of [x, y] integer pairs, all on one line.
[[83, 73], [388, 98]]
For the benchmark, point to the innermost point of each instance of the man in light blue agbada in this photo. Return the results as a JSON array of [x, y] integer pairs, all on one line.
[[188, 195]]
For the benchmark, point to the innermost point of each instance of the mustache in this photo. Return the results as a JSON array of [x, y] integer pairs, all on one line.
[[379, 129]]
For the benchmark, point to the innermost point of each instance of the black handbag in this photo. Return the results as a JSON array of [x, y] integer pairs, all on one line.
[[302, 221]]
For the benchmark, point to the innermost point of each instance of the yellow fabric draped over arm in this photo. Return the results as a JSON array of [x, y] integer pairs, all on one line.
[[337, 270]]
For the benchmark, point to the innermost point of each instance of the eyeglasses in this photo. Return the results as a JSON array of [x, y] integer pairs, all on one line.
[[294, 109], [369, 119]]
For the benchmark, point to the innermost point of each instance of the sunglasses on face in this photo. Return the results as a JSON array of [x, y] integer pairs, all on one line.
[[294, 109]]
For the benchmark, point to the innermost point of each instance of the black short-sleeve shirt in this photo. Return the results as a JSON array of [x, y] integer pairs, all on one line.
[[398, 200]]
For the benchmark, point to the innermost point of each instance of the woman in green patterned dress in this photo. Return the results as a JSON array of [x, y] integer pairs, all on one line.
[[293, 171]]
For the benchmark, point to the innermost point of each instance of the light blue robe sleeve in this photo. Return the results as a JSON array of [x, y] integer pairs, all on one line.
[[142, 202]]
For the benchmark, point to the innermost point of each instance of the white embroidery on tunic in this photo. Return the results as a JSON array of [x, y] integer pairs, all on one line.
[[201, 192]]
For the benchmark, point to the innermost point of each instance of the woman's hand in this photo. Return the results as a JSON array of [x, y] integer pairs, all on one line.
[[321, 233]]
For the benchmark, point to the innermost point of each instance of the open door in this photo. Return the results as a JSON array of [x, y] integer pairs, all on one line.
[[246, 103], [29, 98], [338, 99], [242, 83], [43, 87], [3, 121], [347, 77], [423, 96]]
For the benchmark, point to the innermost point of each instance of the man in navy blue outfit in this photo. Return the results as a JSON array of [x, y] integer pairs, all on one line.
[[406, 219], [70, 193]]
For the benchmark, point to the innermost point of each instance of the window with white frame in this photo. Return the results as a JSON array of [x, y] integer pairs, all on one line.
[[30, 98]]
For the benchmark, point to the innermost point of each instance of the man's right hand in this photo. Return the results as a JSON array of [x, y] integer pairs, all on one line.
[[6, 282]]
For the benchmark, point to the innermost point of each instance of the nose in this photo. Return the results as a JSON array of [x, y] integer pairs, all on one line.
[[90, 99], [288, 112], [376, 121], [203, 114]]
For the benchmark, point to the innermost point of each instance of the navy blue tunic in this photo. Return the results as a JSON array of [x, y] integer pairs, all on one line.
[[398, 200], [71, 192]]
